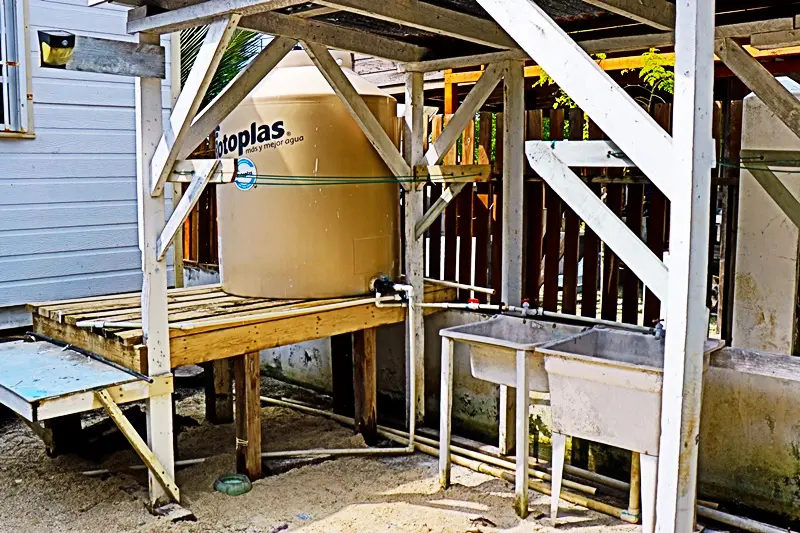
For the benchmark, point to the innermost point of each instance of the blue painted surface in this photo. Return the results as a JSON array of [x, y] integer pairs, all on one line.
[[37, 371]]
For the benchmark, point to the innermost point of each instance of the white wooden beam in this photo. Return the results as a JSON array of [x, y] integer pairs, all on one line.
[[155, 321], [612, 109], [413, 142], [477, 60], [656, 13], [604, 154], [244, 82], [185, 171], [203, 172], [120, 58], [608, 226], [687, 316], [199, 14], [758, 79], [430, 18], [435, 211], [466, 112], [358, 109], [334, 36], [154, 466], [513, 182], [216, 40]]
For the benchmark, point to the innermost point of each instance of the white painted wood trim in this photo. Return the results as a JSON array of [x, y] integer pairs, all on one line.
[[430, 18], [219, 35], [686, 313], [612, 109], [513, 182], [203, 172], [466, 112], [244, 82], [608, 226], [445, 411], [199, 14], [121, 58], [358, 109]]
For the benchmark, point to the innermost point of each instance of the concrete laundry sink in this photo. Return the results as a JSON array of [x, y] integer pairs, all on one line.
[[605, 386], [502, 350], [494, 343]]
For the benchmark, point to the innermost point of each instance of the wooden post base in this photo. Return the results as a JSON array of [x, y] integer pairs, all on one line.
[[365, 384], [219, 391], [247, 376]]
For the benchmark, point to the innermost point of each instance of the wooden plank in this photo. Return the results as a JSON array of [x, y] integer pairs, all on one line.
[[610, 290], [466, 111], [769, 90], [450, 214], [534, 199], [569, 296], [592, 89], [435, 229], [496, 209], [659, 14], [513, 182], [430, 18], [480, 206], [477, 60], [220, 32], [247, 376], [462, 173], [630, 283], [358, 109], [365, 384], [122, 58], [334, 35], [776, 190], [552, 238], [244, 82], [591, 254], [199, 14], [464, 214], [155, 467], [219, 391]]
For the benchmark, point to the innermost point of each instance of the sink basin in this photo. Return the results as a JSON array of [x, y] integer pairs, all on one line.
[[605, 386], [494, 343]]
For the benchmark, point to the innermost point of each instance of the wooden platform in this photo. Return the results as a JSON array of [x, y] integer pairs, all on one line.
[[244, 331]]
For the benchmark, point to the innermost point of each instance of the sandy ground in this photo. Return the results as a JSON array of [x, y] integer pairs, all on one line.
[[389, 494]]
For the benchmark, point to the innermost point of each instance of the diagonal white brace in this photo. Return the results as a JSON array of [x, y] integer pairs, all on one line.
[[612, 109], [466, 112], [608, 226], [244, 82], [779, 193], [358, 109], [604, 154], [438, 206], [216, 41], [203, 170]]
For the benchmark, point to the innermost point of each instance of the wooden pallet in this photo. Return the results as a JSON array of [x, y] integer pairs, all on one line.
[[244, 332]]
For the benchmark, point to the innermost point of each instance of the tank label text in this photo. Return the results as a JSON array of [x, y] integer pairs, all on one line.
[[254, 139]]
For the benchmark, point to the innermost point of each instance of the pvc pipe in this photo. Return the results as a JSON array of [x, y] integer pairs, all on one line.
[[456, 285], [412, 364], [182, 462], [634, 499], [338, 451], [737, 521]]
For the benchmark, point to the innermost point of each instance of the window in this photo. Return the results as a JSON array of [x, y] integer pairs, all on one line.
[[14, 105]]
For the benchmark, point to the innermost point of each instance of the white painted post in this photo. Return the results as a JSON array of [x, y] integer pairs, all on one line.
[[445, 412], [152, 215], [513, 161], [523, 431], [692, 160], [413, 144]]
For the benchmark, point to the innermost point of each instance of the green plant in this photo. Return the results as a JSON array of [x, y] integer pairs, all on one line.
[[562, 99], [658, 76], [243, 47]]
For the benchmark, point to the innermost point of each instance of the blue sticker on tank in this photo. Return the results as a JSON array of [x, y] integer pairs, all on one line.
[[245, 174]]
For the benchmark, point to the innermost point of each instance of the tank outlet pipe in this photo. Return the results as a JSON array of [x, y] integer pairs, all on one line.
[[456, 285], [408, 290]]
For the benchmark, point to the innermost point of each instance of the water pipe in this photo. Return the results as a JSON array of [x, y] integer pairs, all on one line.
[[456, 285]]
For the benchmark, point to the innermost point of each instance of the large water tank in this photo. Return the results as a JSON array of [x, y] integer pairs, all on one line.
[[290, 240]]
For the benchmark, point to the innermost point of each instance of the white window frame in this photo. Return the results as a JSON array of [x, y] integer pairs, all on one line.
[[15, 78]]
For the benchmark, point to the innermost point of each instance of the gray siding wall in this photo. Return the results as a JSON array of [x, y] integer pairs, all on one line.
[[68, 197]]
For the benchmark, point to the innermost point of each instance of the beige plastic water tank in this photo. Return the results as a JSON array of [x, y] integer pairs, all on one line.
[[305, 241]]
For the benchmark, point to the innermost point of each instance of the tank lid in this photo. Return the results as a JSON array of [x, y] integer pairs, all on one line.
[[299, 58]]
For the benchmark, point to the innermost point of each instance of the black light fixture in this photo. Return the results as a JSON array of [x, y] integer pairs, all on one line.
[[56, 47]]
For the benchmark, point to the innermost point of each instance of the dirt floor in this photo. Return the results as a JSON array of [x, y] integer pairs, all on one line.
[[391, 494]]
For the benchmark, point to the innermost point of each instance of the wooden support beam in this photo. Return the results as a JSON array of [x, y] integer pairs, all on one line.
[[429, 17], [779, 193], [466, 112], [687, 316], [365, 377], [334, 36], [121, 58], [659, 14], [453, 173], [219, 391], [477, 60], [358, 109], [216, 40], [435, 211], [613, 231], [244, 82], [154, 273], [185, 171], [593, 154], [164, 477], [414, 268], [247, 377], [614, 111], [199, 14], [203, 172], [513, 182], [759, 80]]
